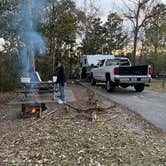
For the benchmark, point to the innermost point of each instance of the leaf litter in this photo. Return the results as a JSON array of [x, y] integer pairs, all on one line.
[[84, 132]]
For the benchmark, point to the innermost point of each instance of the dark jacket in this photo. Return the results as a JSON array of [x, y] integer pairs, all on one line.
[[61, 77]]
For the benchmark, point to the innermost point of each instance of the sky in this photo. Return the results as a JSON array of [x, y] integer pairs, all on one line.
[[106, 6]]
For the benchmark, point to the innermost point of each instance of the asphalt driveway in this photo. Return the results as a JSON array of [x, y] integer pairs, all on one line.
[[150, 105]]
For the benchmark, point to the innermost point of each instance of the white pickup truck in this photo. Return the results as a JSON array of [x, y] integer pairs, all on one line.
[[119, 72]]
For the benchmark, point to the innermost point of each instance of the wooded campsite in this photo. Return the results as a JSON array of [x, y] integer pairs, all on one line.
[[63, 24], [92, 126]]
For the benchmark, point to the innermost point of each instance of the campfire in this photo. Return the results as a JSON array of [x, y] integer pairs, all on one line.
[[35, 110]]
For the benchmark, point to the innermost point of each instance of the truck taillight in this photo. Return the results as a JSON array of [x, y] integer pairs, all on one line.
[[150, 71], [116, 70]]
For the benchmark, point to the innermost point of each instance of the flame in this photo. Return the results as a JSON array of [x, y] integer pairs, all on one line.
[[34, 111]]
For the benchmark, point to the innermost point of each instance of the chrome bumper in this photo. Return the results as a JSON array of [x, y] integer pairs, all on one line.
[[132, 79]]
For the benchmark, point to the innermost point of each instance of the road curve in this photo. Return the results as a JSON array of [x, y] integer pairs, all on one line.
[[150, 105]]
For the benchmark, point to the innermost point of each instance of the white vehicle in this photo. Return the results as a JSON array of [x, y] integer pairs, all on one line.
[[119, 72], [88, 62]]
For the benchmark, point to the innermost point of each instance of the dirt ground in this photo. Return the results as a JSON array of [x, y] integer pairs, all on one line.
[[89, 131]]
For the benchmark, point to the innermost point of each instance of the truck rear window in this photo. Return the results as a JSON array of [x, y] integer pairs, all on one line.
[[121, 62]]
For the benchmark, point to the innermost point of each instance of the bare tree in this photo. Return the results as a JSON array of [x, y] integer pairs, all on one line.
[[139, 11]]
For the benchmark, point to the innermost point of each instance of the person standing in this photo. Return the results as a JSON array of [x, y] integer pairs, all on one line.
[[61, 80]]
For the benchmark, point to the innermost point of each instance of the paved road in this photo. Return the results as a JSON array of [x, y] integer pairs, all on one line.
[[150, 105]]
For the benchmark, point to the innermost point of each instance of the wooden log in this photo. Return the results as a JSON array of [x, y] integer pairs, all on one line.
[[42, 117]]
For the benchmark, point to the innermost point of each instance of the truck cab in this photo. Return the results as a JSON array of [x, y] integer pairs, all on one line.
[[88, 62]]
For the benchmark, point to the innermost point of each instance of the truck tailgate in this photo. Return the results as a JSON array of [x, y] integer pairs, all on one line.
[[133, 70]]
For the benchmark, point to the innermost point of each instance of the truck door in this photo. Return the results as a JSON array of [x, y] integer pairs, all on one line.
[[101, 70]]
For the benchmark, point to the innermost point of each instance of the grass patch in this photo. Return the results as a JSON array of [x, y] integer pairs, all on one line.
[[156, 85]]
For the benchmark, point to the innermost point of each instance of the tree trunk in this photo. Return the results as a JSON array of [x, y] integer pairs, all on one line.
[[136, 35], [135, 47]]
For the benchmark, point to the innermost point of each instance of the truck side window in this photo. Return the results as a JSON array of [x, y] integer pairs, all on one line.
[[102, 63], [108, 63], [85, 61]]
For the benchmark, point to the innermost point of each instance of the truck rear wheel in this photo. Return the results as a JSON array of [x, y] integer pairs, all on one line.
[[109, 86], [139, 87], [92, 80]]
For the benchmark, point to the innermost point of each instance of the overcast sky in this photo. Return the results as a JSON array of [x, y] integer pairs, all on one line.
[[106, 6]]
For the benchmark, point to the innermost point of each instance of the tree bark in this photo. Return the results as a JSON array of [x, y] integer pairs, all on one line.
[[136, 34]]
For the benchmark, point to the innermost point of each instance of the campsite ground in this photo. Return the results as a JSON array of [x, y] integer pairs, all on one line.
[[71, 136]]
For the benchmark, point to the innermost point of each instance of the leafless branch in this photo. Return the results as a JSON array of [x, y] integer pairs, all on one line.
[[126, 5]]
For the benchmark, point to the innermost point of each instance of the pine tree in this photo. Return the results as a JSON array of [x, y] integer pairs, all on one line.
[[114, 35], [94, 39]]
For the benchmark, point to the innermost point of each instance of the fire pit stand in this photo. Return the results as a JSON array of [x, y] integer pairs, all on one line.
[[34, 96], [35, 109]]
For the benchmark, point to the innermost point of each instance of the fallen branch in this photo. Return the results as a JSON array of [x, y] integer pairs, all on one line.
[[107, 119], [45, 116], [41, 118], [90, 109]]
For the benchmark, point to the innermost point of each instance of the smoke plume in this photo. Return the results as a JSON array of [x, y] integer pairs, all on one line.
[[32, 13]]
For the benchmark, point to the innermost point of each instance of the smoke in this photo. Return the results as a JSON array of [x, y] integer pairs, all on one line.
[[32, 13]]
